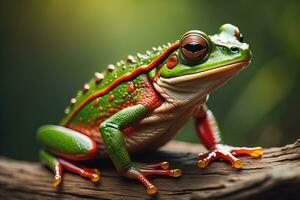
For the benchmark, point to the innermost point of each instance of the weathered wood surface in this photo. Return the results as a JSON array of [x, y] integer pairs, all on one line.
[[275, 176]]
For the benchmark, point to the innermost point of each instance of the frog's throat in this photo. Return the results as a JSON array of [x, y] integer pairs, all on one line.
[[126, 77], [189, 89]]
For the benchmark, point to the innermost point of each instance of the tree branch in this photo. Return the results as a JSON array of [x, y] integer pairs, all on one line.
[[275, 176]]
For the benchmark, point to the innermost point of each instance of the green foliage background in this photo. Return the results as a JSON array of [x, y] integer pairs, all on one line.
[[50, 48]]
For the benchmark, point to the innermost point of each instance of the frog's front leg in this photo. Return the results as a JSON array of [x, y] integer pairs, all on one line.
[[209, 133], [111, 131], [65, 147]]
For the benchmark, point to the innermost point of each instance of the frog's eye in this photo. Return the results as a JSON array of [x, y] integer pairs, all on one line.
[[194, 47]]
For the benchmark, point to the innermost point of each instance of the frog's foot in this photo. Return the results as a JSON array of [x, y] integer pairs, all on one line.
[[58, 165], [61, 164], [141, 172], [228, 153]]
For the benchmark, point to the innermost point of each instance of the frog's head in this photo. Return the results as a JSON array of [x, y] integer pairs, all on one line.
[[203, 63]]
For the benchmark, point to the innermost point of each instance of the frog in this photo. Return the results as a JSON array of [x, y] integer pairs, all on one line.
[[140, 103]]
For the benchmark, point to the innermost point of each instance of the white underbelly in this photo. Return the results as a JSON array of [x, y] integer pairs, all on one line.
[[159, 127]]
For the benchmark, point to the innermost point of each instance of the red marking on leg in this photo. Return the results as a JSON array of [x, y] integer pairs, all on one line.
[[126, 77], [206, 128], [205, 132], [71, 167], [201, 112], [76, 168], [93, 150], [77, 157]]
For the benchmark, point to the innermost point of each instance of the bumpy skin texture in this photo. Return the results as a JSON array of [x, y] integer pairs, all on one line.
[[128, 94], [141, 103]]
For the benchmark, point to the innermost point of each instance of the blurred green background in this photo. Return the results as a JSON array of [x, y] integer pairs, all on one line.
[[50, 48]]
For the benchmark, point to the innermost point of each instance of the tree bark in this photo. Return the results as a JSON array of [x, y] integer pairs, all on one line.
[[274, 176]]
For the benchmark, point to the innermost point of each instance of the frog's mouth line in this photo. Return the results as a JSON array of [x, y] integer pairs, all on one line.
[[225, 71]]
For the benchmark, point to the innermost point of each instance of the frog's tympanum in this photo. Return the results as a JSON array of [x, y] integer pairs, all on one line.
[[140, 103]]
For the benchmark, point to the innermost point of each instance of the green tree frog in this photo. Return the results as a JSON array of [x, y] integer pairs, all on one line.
[[140, 103]]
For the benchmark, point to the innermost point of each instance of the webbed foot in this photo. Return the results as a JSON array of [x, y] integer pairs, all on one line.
[[229, 154]]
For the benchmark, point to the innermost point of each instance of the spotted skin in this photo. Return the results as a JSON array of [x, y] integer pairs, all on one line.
[[141, 102], [117, 76], [88, 120]]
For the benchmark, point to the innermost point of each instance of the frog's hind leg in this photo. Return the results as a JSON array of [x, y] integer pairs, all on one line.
[[209, 133], [57, 165], [54, 164], [64, 147]]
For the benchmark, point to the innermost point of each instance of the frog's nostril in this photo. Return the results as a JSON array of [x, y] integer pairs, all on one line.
[[234, 49]]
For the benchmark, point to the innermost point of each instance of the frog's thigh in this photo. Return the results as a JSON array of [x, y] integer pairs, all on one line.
[[67, 143]]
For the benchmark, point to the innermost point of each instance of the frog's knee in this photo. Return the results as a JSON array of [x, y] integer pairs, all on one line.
[[66, 142]]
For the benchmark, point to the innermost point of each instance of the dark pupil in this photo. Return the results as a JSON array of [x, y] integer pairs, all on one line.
[[193, 47]]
